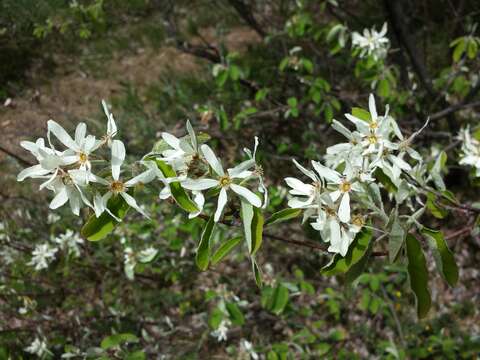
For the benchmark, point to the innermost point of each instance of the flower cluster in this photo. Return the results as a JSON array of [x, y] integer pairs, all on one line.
[[372, 43], [470, 150], [199, 169], [334, 198], [70, 172]]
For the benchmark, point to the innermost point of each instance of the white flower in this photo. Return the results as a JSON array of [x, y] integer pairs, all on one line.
[[42, 256], [247, 347], [372, 42], [111, 126], [299, 188], [470, 150], [116, 186], [221, 332], [147, 255], [53, 218], [130, 261], [49, 162], [184, 153], [343, 185], [258, 172], [69, 241], [225, 181], [79, 149], [340, 234], [38, 347], [67, 186]]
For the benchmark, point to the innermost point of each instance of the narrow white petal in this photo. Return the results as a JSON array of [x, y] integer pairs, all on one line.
[[80, 133], [171, 140], [200, 184], [251, 197], [372, 107], [212, 160], [326, 173], [308, 173], [60, 199], [241, 168], [118, 156], [193, 137], [222, 201], [36, 170], [344, 208], [131, 201], [61, 135]]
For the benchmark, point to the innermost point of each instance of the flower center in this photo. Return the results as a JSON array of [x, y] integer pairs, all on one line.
[[358, 220], [345, 186], [82, 158], [225, 181], [373, 125], [117, 186], [372, 139], [330, 212]]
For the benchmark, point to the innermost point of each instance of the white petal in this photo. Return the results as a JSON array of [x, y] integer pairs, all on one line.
[[131, 201], [326, 173], [298, 186], [61, 135], [80, 133], [372, 107], [399, 162], [212, 160], [308, 173], [344, 208], [171, 140], [193, 137], [335, 236], [36, 170], [143, 178], [241, 168], [60, 199], [118, 156], [251, 197], [222, 201], [200, 184]]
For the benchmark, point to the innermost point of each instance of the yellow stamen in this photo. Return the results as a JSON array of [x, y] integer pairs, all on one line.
[[372, 139], [117, 186], [225, 181], [358, 220], [82, 158], [345, 186]]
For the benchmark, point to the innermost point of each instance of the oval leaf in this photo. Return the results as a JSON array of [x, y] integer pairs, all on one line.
[[96, 229], [203, 250], [443, 256], [225, 249], [283, 215], [418, 275], [356, 251]]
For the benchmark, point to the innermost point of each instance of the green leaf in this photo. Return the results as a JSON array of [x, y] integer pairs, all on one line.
[[203, 250], [96, 229], [459, 50], [292, 102], [443, 256], [117, 339], [418, 275], [279, 299], [362, 114], [236, 315], [283, 215], [385, 180], [436, 210], [253, 226], [225, 249], [257, 273], [215, 318], [136, 355], [396, 239], [178, 193], [356, 251], [358, 268], [383, 88]]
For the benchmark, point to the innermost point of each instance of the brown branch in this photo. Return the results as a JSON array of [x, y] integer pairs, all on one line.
[[245, 13], [452, 109], [16, 157]]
